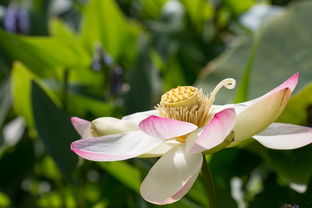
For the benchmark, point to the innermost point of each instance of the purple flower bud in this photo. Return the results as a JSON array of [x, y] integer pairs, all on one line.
[[115, 80], [101, 59], [16, 20]]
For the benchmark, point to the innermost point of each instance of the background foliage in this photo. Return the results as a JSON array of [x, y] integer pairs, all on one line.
[[110, 58]]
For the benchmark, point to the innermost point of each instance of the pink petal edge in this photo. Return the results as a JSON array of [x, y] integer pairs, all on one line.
[[115, 147], [82, 126], [214, 133], [165, 128], [180, 193]]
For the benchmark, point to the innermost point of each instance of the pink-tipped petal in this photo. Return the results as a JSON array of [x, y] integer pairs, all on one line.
[[285, 136], [257, 116], [165, 128], [213, 134], [115, 147], [138, 117], [171, 177], [82, 127]]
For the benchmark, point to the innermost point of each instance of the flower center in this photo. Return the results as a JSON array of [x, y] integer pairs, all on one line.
[[187, 103]]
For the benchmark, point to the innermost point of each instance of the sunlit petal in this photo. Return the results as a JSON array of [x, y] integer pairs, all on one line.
[[259, 115], [115, 147], [165, 127], [171, 177], [107, 125], [213, 134], [82, 127], [285, 136]]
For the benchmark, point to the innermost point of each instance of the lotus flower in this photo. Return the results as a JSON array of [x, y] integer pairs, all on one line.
[[184, 125]]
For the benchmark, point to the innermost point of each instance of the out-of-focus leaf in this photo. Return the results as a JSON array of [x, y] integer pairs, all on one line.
[[39, 53], [291, 165], [83, 105], [152, 9], [59, 29], [282, 195], [238, 8], [20, 89], [227, 164], [104, 23], [16, 164], [298, 109], [5, 100], [243, 88], [54, 130], [279, 54], [143, 80], [198, 18], [125, 173]]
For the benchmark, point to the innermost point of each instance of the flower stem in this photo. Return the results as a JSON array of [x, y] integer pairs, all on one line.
[[209, 184]]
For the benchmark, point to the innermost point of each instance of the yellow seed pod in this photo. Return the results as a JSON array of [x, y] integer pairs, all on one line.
[[181, 96]]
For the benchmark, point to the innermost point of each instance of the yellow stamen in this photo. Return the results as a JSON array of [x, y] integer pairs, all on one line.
[[187, 103]]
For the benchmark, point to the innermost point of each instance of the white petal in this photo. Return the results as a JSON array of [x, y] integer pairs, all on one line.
[[165, 128], [82, 127], [213, 134], [259, 115], [138, 117], [171, 177], [285, 136], [161, 149], [107, 125], [115, 147]]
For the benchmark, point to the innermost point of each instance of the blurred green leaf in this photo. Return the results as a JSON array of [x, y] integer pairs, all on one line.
[[151, 9], [104, 23], [20, 89], [83, 105], [39, 53], [125, 173], [142, 80], [198, 18], [16, 164], [238, 9], [279, 54], [5, 100], [243, 88], [59, 29], [54, 130]]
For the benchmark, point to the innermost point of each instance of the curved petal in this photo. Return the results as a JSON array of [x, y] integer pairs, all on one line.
[[171, 177], [259, 115], [115, 147], [107, 125], [285, 136], [138, 117], [213, 134], [165, 128], [82, 127]]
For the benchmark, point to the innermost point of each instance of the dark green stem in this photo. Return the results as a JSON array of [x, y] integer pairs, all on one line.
[[209, 184], [65, 89]]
